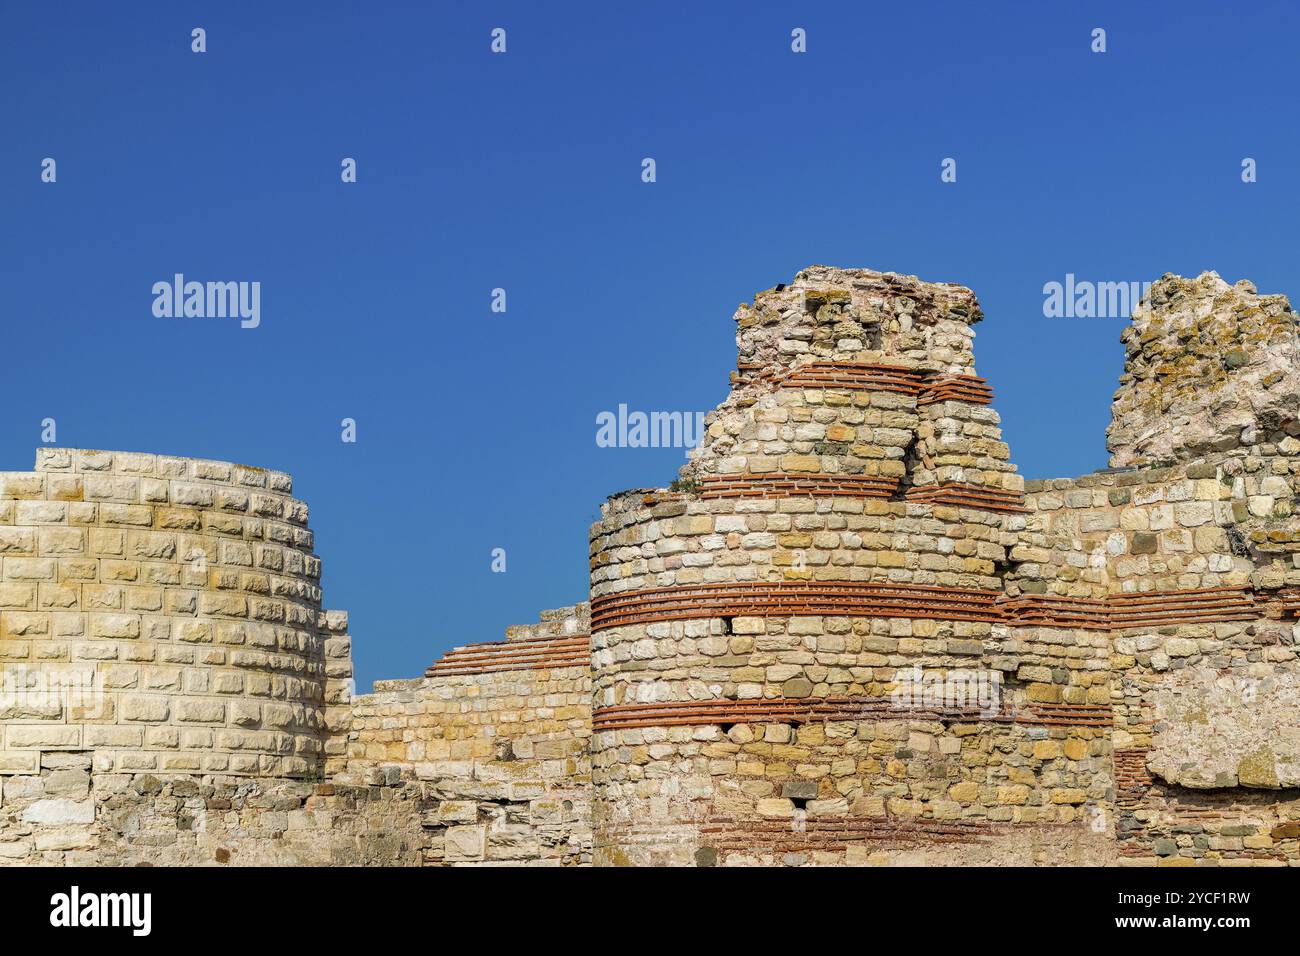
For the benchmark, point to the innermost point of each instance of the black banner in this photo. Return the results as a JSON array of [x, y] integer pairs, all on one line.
[[369, 906]]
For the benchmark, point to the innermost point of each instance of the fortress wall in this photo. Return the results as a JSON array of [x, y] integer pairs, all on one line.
[[1208, 368], [816, 734], [848, 633], [1186, 556], [67, 815], [1196, 569], [497, 734], [182, 596], [166, 669], [755, 629]]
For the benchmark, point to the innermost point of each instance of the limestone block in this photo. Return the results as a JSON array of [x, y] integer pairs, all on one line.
[[465, 843], [60, 812]]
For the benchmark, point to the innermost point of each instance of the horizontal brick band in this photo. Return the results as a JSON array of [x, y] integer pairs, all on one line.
[[1065, 715], [573, 650], [1044, 610], [1179, 607], [784, 485], [793, 599], [876, 377], [969, 496], [957, 388], [861, 376], [783, 835], [1289, 602], [857, 599], [1284, 601], [799, 711], [1149, 609], [770, 485], [779, 710]]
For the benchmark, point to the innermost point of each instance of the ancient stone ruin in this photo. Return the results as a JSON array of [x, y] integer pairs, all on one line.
[[848, 633]]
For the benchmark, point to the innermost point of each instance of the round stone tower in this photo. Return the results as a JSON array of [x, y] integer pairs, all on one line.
[[799, 649], [164, 614]]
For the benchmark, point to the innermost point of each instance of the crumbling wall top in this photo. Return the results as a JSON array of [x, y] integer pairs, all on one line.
[[830, 314], [1208, 367], [572, 620]]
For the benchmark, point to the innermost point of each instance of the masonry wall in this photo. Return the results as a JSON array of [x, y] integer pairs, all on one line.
[[160, 620], [497, 734], [1190, 542], [848, 522], [849, 633], [1197, 581], [853, 518], [184, 596], [68, 815]]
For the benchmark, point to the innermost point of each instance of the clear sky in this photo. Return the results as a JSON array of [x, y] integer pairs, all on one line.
[[476, 430]]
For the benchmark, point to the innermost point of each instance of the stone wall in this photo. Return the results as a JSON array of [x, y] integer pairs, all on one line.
[[498, 735], [853, 525], [166, 670], [1189, 556], [182, 597], [848, 633], [1208, 368], [764, 632], [67, 815]]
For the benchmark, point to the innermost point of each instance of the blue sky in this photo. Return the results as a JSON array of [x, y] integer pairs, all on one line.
[[476, 430]]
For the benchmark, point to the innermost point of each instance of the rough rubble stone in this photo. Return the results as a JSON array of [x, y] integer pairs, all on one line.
[[1209, 367]]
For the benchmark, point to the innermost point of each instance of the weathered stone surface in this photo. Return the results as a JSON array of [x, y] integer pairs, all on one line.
[[166, 614], [1210, 367], [1138, 647], [58, 812], [1215, 731], [1136, 577], [500, 747], [466, 843]]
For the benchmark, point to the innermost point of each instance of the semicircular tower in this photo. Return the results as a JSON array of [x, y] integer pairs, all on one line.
[[164, 614], [801, 651]]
